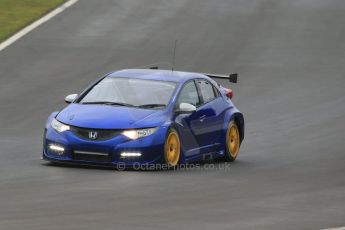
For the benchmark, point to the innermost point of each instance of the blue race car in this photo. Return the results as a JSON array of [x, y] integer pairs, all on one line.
[[146, 116]]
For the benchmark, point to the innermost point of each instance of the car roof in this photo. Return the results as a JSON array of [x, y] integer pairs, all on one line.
[[157, 74]]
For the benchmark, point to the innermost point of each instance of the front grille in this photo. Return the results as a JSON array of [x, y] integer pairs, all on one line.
[[95, 134], [91, 156]]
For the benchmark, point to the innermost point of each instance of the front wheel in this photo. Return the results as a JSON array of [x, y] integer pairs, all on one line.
[[232, 141], [172, 149]]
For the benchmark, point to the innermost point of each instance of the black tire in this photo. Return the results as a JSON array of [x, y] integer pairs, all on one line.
[[172, 148], [232, 141]]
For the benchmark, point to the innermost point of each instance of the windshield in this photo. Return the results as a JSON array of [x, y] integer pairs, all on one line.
[[130, 92]]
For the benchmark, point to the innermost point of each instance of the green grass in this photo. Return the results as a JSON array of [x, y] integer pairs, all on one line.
[[16, 14]]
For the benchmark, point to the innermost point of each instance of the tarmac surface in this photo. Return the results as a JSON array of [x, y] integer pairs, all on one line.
[[290, 55]]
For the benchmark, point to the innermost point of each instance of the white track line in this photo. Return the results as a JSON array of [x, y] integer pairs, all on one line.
[[340, 228], [37, 23]]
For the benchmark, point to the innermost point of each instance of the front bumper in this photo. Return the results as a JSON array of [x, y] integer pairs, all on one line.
[[105, 153]]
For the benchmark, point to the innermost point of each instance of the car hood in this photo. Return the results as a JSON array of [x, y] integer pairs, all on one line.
[[110, 117]]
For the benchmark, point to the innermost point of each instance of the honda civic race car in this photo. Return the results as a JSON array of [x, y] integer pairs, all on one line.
[[146, 116]]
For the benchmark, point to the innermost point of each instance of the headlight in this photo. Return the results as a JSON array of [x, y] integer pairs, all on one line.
[[138, 133], [58, 126]]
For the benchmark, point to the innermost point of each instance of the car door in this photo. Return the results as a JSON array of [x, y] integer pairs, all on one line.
[[199, 130], [211, 116], [188, 124]]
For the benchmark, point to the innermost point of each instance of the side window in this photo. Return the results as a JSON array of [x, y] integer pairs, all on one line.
[[189, 94], [206, 90], [216, 91]]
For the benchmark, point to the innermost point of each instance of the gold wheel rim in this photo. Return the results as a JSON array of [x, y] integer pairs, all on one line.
[[172, 149], [233, 140]]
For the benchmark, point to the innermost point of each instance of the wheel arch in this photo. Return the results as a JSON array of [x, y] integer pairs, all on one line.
[[239, 120], [237, 116], [173, 125]]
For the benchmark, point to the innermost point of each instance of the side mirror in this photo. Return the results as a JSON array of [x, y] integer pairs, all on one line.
[[70, 98], [186, 108]]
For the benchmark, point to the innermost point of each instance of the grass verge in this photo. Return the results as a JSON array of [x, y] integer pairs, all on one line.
[[16, 14]]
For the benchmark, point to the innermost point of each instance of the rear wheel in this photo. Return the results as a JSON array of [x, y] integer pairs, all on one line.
[[232, 141], [172, 149]]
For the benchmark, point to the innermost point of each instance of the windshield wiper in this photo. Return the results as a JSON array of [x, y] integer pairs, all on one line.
[[152, 105], [108, 103]]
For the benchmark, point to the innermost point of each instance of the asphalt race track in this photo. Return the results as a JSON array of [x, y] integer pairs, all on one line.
[[290, 172]]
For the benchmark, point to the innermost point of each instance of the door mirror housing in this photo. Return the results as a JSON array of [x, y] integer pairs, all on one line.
[[70, 98], [186, 108]]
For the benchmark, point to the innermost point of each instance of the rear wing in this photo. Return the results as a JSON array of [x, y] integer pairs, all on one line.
[[232, 77]]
